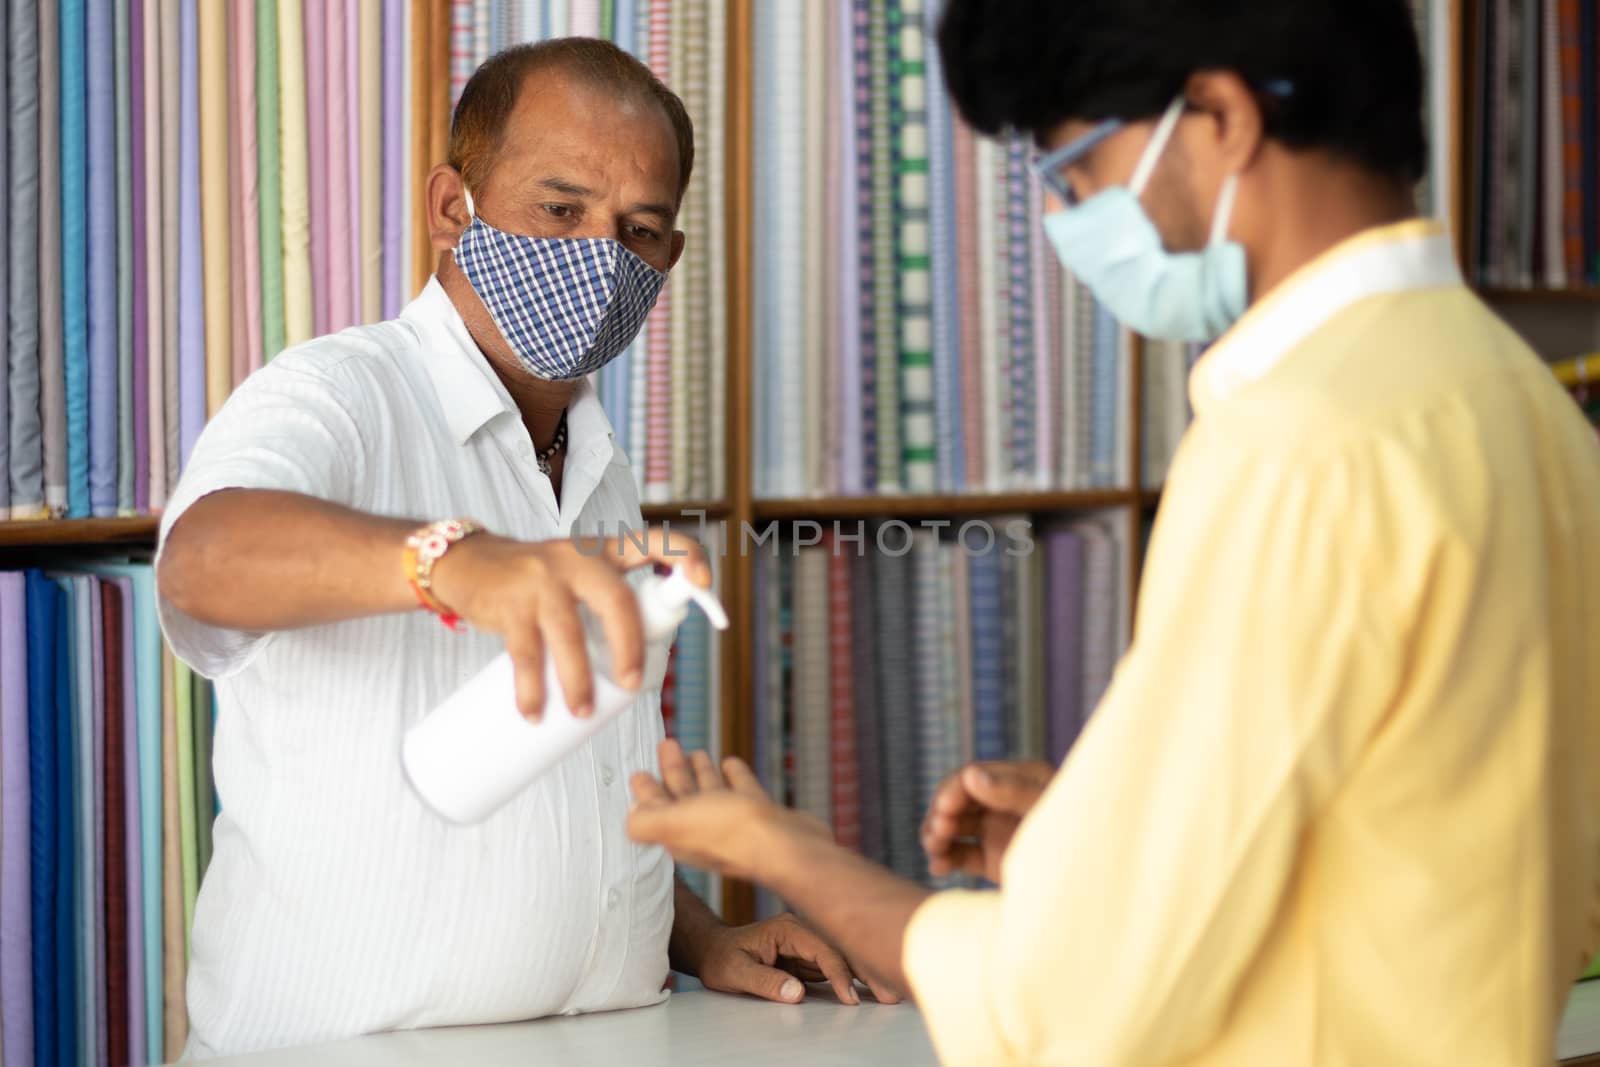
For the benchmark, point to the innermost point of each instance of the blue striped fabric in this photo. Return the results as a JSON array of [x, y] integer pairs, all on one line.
[[948, 401], [691, 704], [988, 656], [927, 670], [565, 305], [1019, 306], [892, 577], [883, 39], [866, 254]]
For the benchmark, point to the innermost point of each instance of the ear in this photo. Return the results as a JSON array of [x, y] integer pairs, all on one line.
[[678, 240], [1235, 121], [447, 207]]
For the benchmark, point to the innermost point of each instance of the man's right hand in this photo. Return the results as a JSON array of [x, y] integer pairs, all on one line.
[[976, 811], [529, 592]]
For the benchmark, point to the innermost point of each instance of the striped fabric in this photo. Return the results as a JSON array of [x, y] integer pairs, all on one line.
[[988, 657], [865, 697], [463, 52], [897, 704], [883, 46], [913, 218], [1019, 308], [949, 401], [812, 687], [929, 654], [844, 801], [867, 249], [565, 305], [658, 338]]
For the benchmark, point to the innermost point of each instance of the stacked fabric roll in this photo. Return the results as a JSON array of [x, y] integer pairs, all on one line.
[[1533, 143], [882, 664], [193, 185], [105, 819], [913, 332]]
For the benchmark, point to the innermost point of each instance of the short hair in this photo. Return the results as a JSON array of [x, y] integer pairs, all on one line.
[[1353, 67], [490, 95]]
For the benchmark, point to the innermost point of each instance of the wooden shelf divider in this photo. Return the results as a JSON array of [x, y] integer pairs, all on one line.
[[79, 533], [1582, 295], [937, 505]]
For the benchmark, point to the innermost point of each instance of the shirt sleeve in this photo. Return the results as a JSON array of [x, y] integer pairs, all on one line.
[[295, 426], [1139, 889]]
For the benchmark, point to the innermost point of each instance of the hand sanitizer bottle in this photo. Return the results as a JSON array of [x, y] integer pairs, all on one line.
[[474, 752]]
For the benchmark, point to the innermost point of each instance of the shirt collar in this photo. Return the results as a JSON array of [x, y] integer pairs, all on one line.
[[1403, 257], [470, 392]]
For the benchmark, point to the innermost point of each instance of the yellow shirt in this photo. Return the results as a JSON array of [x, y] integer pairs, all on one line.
[[1341, 804]]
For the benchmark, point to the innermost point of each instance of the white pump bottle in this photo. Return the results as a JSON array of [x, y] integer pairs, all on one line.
[[474, 752]]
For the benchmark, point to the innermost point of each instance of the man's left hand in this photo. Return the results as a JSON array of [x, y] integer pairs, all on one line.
[[773, 959]]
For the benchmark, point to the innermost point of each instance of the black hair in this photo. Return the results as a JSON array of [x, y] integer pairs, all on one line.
[[1353, 68]]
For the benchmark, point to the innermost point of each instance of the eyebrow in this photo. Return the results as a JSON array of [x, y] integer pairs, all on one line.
[[665, 212]]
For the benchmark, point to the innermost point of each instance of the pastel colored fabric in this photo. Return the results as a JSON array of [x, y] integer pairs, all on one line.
[[25, 449], [101, 238], [74, 261], [16, 845]]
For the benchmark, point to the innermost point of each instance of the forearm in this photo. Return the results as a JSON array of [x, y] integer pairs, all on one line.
[[693, 926], [261, 560], [859, 906]]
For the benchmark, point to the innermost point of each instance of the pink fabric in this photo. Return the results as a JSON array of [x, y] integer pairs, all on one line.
[[316, 30], [353, 117]]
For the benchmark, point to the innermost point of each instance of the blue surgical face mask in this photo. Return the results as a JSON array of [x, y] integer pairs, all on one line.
[[1110, 245], [566, 306]]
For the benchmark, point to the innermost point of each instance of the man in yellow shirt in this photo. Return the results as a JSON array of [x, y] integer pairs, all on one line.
[[1341, 804]]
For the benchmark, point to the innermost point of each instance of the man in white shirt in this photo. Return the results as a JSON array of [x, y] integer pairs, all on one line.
[[336, 903]]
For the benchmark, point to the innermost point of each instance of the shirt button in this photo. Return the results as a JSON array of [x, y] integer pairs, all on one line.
[[607, 775], [612, 898]]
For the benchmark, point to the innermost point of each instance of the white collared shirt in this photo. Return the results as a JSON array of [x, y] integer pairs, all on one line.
[[336, 903]]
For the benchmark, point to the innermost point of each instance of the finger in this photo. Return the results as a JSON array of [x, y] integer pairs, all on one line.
[[962, 858], [951, 797], [610, 598], [665, 545], [706, 775], [564, 641], [745, 975], [675, 770], [881, 993], [527, 665], [999, 789], [831, 963], [648, 790], [741, 779]]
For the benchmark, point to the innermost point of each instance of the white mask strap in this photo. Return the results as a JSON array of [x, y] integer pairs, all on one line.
[[471, 211], [1157, 145], [1224, 212]]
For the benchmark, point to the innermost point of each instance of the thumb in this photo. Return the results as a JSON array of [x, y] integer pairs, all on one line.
[[998, 789], [746, 975]]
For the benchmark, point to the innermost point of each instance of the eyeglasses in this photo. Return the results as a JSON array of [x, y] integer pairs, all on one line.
[[1051, 169]]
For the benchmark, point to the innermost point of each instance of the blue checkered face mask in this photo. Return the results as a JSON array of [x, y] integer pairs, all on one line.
[[566, 306]]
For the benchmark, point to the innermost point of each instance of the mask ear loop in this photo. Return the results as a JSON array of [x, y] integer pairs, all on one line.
[[1224, 213], [1157, 145]]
